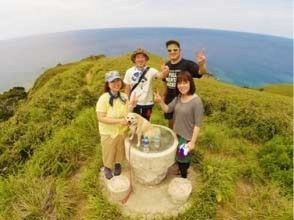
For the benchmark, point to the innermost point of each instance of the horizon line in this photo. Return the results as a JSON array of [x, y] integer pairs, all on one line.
[[141, 27]]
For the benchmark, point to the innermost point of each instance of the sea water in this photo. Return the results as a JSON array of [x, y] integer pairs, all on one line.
[[234, 57]]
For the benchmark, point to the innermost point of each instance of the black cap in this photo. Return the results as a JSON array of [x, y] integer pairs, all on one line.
[[172, 42]]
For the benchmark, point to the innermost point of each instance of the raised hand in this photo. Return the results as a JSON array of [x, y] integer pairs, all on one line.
[[200, 57], [157, 97], [164, 69]]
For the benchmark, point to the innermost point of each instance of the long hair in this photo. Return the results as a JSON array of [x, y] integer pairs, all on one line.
[[185, 76]]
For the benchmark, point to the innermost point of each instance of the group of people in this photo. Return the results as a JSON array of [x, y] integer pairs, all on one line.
[[181, 105]]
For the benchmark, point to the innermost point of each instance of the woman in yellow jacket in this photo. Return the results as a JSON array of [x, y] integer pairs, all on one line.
[[111, 109]]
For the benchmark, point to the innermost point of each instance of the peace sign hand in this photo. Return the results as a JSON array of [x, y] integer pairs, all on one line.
[[200, 57]]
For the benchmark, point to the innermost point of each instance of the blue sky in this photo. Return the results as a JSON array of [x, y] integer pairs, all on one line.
[[29, 17]]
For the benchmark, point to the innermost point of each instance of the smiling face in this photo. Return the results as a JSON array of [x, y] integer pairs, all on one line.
[[174, 52], [184, 87], [115, 85], [140, 60], [185, 84]]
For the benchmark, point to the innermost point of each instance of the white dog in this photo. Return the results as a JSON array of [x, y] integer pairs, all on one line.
[[141, 127]]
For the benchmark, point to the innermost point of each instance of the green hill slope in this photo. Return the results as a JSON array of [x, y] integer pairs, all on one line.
[[50, 153], [9, 101], [282, 89]]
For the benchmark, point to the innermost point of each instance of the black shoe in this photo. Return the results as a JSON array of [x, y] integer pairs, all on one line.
[[107, 173], [117, 169]]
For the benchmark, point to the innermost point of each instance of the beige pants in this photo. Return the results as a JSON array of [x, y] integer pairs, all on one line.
[[113, 150]]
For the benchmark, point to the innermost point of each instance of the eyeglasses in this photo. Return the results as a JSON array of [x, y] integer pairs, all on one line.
[[173, 50]]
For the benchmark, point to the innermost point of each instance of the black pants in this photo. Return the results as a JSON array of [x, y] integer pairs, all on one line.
[[144, 110], [183, 167]]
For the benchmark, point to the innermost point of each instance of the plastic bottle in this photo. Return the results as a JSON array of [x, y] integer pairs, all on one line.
[[156, 141], [145, 143], [184, 149]]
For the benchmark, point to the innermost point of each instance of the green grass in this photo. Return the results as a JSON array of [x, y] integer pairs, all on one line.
[[9, 102], [29, 197], [275, 157], [281, 89], [256, 202], [97, 205], [255, 114], [68, 148], [50, 155]]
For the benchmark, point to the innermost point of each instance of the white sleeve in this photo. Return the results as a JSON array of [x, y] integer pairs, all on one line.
[[153, 72], [127, 78]]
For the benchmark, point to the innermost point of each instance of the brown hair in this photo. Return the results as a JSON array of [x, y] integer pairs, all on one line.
[[107, 88], [185, 76]]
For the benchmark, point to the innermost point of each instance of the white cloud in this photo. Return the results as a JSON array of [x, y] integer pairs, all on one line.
[[27, 17]]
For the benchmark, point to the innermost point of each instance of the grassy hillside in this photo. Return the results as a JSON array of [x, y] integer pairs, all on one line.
[[50, 155], [9, 102], [282, 89]]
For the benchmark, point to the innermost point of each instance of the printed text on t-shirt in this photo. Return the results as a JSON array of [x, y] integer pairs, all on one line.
[[171, 79]]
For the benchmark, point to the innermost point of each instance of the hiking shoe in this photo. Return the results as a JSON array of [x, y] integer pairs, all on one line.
[[107, 173], [117, 169]]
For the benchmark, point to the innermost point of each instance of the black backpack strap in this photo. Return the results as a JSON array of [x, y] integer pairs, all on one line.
[[140, 79]]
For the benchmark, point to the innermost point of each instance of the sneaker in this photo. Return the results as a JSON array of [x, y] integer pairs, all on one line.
[[117, 169], [107, 173]]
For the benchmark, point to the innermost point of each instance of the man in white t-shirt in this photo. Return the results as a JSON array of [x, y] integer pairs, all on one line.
[[140, 87]]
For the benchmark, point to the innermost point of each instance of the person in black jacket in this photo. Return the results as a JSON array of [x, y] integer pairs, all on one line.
[[176, 65]]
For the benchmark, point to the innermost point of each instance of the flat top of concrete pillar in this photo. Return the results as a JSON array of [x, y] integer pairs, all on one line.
[[118, 183], [153, 201], [167, 139], [180, 186]]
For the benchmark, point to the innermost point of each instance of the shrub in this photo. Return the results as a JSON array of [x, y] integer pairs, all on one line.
[[257, 115], [9, 102], [276, 158], [55, 103], [220, 176], [28, 197], [212, 138], [257, 202], [67, 148]]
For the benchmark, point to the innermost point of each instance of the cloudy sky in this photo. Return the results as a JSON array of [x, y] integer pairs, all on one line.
[[28, 17]]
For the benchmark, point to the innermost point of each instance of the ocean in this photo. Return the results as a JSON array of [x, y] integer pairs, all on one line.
[[243, 59]]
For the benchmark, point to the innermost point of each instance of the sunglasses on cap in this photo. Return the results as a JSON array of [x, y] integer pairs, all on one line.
[[173, 50]]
